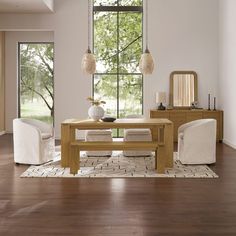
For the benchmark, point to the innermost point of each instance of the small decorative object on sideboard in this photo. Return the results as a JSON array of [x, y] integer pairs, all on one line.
[[214, 104], [161, 98], [96, 112], [169, 107], [209, 102], [194, 105]]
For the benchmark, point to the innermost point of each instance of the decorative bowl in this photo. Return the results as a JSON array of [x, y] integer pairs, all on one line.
[[108, 119]]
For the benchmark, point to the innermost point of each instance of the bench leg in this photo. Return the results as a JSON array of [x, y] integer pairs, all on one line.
[[161, 160], [74, 160], [156, 159], [169, 145]]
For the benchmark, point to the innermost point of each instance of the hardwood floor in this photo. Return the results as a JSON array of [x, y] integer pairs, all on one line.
[[117, 206]]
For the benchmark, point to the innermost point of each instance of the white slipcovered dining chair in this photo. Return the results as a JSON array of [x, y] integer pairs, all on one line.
[[197, 142], [134, 135], [34, 141]]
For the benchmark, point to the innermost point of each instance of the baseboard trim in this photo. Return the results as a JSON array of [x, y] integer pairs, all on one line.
[[2, 133], [229, 144]]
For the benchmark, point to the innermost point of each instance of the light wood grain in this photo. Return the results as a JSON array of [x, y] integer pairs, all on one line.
[[78, 146], [102, 146], [161, 152], [68, 144], [74, 159], [119, 123], [68, 137], [168, 140], [179, 117]]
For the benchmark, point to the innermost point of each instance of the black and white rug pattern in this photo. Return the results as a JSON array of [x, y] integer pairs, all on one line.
[[119, 166]]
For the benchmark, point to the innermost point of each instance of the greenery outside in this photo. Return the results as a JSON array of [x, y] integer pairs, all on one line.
[[36, 81], [118, 48], [116, 2]]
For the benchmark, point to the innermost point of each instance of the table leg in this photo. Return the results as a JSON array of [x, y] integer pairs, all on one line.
[[161, 160], [160, 155], [154, 131], [156, 151], [169, 145], [74, 160], [65, 145], [67, 136]]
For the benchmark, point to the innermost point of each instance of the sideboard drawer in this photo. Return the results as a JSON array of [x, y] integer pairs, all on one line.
[[159, 114], [211, 115], [193, 116], [179, 117]]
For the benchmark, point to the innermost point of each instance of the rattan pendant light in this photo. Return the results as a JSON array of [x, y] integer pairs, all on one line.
[[146, 63], [88, 61]]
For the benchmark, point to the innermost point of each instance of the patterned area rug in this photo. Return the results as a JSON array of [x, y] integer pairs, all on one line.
[[119, 166]]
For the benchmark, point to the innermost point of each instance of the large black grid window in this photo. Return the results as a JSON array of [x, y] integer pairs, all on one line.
[[117, 40]]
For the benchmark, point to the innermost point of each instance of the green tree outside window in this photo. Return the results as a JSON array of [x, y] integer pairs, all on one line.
[[36, 95], [118, 47]]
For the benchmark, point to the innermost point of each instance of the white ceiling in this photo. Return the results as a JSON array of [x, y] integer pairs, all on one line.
[[26, 6]]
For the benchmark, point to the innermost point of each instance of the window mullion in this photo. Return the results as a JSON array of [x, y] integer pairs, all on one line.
[[118, 68]]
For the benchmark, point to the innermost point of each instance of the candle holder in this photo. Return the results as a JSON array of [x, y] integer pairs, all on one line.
[[209, 102], [214, 104]]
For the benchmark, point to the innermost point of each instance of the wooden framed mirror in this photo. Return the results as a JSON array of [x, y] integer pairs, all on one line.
[[183, 89]]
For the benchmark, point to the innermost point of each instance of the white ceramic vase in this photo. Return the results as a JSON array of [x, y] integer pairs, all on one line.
[[96, 112]]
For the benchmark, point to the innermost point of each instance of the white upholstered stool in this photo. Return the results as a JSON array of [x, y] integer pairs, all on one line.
[[137, 135], [98, 136]]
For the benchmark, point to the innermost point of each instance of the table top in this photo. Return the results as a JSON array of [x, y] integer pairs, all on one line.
[[119, 123]]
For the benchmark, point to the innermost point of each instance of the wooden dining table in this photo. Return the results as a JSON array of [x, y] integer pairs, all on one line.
[[162, 140]]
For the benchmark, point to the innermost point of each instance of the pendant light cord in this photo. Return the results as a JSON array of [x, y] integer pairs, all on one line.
[[146, 23], [89, 25]]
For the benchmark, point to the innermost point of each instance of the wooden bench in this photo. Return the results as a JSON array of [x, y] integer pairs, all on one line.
[[78, 146]]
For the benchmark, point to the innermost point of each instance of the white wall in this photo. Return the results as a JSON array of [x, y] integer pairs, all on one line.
[[227, 75], [71, 86], [182, 36], [11, 70]]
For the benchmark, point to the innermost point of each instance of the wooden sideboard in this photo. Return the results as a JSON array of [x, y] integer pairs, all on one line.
[[179, 117]]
